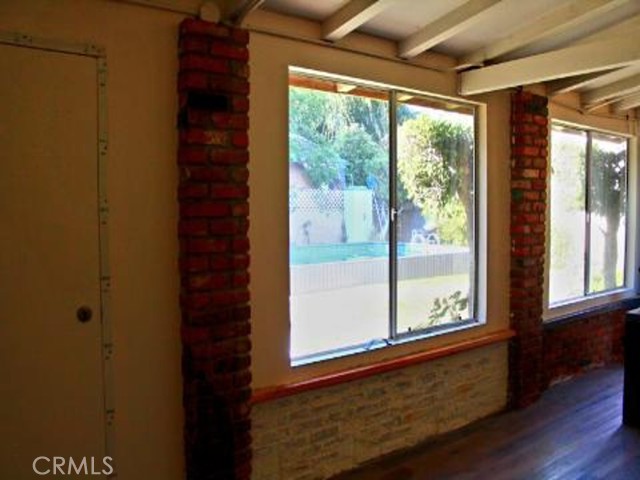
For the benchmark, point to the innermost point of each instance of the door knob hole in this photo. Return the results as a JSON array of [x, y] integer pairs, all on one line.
[[84, 314]]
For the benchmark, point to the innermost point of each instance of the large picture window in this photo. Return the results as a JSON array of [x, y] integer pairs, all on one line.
[[382, 216], [588, 213]]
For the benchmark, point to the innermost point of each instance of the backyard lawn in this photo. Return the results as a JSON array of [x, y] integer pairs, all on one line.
[[331, 319]]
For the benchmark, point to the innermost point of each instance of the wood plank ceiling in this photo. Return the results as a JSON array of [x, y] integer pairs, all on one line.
[[588, 46], [591, 47]]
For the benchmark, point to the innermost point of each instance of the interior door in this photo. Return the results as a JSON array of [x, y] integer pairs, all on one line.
[[51, 379]]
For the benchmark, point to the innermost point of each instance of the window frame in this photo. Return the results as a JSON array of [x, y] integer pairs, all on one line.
[[563, 308], [477, 240]]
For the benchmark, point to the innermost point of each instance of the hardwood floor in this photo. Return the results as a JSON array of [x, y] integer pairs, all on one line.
[[574, 432]]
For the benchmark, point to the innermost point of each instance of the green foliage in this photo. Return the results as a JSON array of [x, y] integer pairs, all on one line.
[[452, 223], [596, 283], [339, 139], [607, 197], [608, 182], [448, 309], [364, 159], [315, 115], [343, 140], [608, 179], [312, 130], [371, 115], [445, 310], [320, 160], [434, 166]]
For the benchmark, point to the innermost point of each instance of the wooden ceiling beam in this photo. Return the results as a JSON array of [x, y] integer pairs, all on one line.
[[627, 103], [445, 27], [561, 63], [565, 85], [557, 21], [351, 16], [627, 27], [618, 89]]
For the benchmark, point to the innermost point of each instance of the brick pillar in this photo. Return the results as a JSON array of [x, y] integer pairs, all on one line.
[[529, 157], [213, 195]]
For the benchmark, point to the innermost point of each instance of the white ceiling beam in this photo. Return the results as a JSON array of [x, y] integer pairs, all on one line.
[[620, 88], [561, 63], [627, 103], [565, 85], [351, 16], [624, 28], [595, 106], [445, 27], [557, 21]]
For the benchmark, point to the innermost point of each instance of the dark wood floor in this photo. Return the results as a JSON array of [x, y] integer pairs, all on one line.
[[574, 432]]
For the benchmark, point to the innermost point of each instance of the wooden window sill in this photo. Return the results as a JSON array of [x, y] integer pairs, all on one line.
[[263, 395]]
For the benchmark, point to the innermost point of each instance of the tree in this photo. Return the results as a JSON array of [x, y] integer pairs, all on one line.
[[341, 138], [607, 196], [313, 127], [435, 167], [364, 158]]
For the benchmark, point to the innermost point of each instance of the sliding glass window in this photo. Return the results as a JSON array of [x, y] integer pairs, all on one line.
[[588, 213], [382, 242]]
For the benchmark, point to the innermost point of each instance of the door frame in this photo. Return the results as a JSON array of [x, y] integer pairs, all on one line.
[[98, 53]]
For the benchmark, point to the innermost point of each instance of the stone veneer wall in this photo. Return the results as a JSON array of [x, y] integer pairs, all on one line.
[[317, 434]]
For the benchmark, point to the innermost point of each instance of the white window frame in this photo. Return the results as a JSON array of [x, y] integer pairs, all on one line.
[[588, 302], [478, 301]]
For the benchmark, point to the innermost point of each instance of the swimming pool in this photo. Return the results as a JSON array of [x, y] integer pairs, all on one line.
[[342, 252]]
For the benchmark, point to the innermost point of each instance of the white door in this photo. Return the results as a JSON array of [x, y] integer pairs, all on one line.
[[51, 381]]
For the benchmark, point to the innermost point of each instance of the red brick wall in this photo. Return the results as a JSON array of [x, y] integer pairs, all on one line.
[[529, 155], [542, 354], [213, 193], [571, 347]]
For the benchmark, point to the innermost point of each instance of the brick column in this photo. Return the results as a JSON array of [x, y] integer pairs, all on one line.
[[213, 195], [529, 157]]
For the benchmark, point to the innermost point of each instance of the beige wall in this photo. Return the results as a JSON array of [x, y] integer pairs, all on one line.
[[270, 59], [142, 57]]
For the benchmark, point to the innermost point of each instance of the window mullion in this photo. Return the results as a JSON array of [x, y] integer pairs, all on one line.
[[587, 199], [626, 281], [393, 216]]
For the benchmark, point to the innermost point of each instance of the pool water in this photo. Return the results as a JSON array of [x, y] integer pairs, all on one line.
[[342, 252]]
